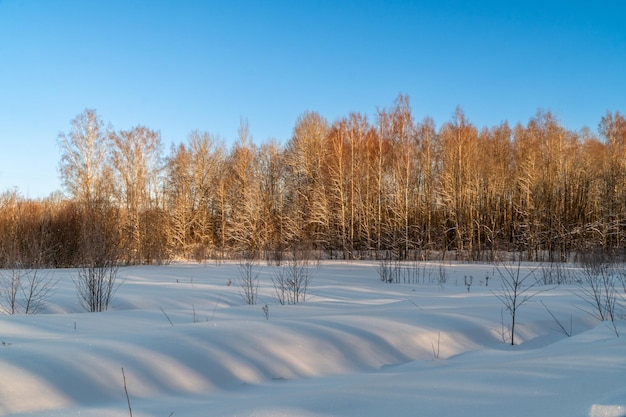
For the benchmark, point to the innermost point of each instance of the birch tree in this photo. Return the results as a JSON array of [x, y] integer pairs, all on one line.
[[84, 152], [613, 129], [192, 178], [242, 197], [136, 158], [459, 181], [307, 198]]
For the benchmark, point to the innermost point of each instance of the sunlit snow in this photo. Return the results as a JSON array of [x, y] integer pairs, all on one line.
[[356, 347]]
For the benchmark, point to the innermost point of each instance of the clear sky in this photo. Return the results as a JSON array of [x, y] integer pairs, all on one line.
[[178, 66]]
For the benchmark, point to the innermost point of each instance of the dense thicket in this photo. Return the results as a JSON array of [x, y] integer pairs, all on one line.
[[391, 187]]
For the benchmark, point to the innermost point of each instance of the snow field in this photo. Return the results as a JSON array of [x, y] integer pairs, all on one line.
[[189, 345]]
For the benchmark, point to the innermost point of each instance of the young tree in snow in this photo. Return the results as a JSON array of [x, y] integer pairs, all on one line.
[[97, 278], [248, 281], [600, 286], [518, 287], [291, 281]]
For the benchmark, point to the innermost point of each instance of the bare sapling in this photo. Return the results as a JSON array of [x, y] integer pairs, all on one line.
[[25, 291], [505, 331], [599, 287], [388, 268], [555, 273], [567, 332], [414, 271], [10, 281], [97, 278], [517, 289], [248, 281], [37, 287], [96, 286], [291, 281], [442, 278]]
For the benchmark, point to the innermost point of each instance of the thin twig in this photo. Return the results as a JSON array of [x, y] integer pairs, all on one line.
[[126, 391], [563, 329], [166, 316], [215, 307]]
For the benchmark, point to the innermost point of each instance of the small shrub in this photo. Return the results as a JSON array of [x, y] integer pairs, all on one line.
[[291, 281], [25, 290], [248, 282], [599, 287]]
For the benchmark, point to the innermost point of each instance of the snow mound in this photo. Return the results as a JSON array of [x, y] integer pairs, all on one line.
[[190, 345]]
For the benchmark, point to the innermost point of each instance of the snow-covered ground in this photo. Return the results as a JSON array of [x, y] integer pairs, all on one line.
[[356, 347]]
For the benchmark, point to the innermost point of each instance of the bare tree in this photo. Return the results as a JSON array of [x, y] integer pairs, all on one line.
[[192, 178], [84, 153], [271, 194], [612, 198], [244, 222], [306, 195], [207, 160], [352, 188], [496, 180], [459, 189], [136, 158], [517, 289], [402, 135], [338, 180], [180, 199]]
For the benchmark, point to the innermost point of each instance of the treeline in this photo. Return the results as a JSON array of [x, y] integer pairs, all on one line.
[[392, 187]]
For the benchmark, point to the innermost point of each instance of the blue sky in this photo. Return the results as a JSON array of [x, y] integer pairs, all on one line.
[[177, 66]]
